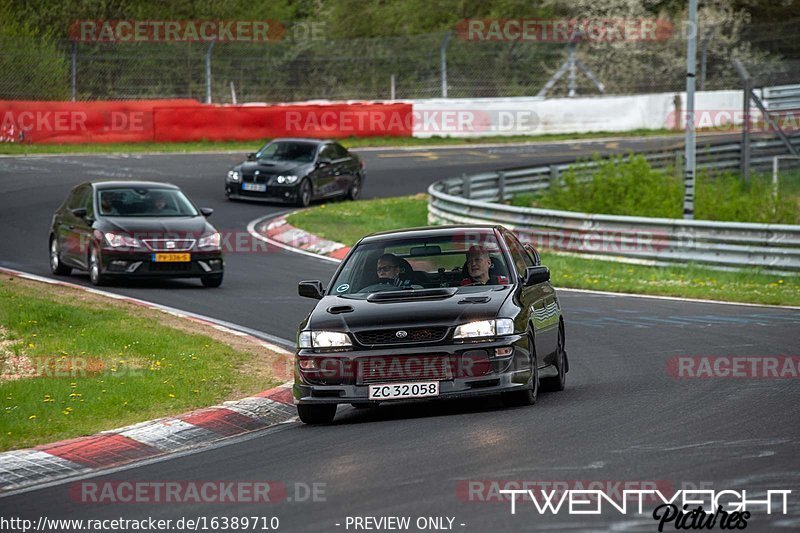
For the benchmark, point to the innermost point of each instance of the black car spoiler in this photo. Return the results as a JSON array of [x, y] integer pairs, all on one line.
[[413, 294]]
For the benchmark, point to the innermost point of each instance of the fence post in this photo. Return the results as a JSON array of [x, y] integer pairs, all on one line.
[[501, 187], [466, 186], [208, 71], [443, 61], [74, 76], [553, 175], [392, 89]]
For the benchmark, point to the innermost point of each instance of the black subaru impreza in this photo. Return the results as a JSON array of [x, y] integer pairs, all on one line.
[[438, 312], [134, 229]]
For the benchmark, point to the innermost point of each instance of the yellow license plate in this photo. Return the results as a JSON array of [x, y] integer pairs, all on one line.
[[172, 258]]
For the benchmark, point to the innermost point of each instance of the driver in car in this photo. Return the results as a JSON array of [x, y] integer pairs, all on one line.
[[388, 270]]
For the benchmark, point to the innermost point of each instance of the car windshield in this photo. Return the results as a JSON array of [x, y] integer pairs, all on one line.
[[288, 151], [466, 260], [144, 202]]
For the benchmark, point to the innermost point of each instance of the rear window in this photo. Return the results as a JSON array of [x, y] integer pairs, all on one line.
[[422, 263]]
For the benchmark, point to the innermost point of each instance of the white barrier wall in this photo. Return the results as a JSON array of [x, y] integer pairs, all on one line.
[[479, 117]]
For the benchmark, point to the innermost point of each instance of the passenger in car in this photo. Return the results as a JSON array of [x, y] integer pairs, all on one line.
[[477, 268]]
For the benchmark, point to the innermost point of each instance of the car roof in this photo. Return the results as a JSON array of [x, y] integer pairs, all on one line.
[[431, 231], [301, 140], [112, 184]]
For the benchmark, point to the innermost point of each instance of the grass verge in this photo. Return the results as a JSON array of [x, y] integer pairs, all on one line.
[[74, 364], [352, 142], [346, 222]]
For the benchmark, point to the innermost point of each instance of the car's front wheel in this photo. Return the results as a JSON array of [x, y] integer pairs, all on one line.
[[95, 274], [304, 194], [316, 414], [529, 395], [214, 280], [56, 266], [558, 382], [355, 188]]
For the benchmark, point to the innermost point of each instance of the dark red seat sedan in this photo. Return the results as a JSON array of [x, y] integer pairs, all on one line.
[[134, 229]]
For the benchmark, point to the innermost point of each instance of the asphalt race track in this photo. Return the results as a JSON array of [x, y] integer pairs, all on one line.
[[623, 418]]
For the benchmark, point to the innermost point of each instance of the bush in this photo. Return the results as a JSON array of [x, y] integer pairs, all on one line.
[[634, 188]]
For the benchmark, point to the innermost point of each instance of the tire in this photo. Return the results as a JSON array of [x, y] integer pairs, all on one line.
[[529, 395], [316, 414], [303, 194], [56, 266], [559, 382], [95, 275], [355, 189], [214, 280]]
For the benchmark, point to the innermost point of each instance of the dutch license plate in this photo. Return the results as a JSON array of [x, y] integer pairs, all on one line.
[[395, 391], [172, 258], [255, 187]]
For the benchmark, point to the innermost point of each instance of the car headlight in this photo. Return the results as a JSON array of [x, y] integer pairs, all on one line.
[[484, 328], [209, 241], [323, 339], [233, 175], [287, 179], [116, 240]]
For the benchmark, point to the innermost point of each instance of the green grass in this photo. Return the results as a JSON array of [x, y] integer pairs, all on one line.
[[106, 368], [346, 222], [634, 188], [252, 146]]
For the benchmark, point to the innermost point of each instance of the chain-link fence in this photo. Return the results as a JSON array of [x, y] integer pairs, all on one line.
[[417, 66]]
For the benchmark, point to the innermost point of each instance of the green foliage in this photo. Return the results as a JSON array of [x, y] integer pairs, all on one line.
[[634, 188]]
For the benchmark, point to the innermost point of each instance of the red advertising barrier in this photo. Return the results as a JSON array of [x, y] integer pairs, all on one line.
[[188, 120], [81, 122], [239, 123]]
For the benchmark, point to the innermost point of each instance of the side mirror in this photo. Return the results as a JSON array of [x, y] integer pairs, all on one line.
[[251, 156], [322, 161], [536, 274], [311, 289], [206, 211], [79, 212]]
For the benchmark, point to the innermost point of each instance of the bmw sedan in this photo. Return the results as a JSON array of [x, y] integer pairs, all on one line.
[[297, 171], [438, 312], [134, 229]]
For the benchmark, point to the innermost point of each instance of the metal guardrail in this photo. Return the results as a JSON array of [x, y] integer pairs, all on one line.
[[782, 98], [471, 199]]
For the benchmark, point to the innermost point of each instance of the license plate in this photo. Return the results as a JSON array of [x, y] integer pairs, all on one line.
[[255, 187], [172, 258], [394, 391]]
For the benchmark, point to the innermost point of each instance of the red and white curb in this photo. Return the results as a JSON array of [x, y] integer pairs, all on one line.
[[277, 231], [145, 440]]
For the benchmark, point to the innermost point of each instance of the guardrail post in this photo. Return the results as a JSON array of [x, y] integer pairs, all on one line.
[[466, 185], [553, 175], [501, 187]]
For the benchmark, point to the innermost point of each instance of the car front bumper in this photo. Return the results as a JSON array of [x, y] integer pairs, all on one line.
[[141, 265], [473, 370], [274, 193]]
